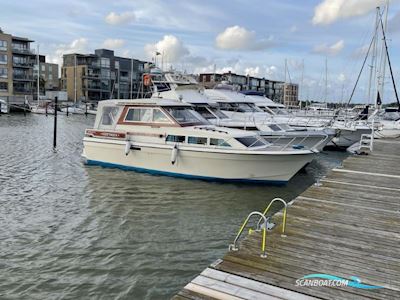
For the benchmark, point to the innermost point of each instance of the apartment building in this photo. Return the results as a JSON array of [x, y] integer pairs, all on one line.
[[49, 79], [100, 76], [16, 68], [271, 88], [291, 95]]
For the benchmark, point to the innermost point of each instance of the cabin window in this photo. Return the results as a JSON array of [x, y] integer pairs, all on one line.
[[109, 115], [185, 116], [175, 138], [274, 127], [160, 117], [197, 140], [250, 141], [219, 142], [139, 115]]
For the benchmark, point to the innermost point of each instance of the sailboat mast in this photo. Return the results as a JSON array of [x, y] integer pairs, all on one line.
[[38, 75], [75, 90], [373, 57], [326, 79], [383, 53]]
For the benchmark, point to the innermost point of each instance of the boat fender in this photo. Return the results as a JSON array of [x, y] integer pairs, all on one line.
[[174, 154], [127, 147]]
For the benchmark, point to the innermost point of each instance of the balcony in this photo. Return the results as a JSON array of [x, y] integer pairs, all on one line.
[[91, 87], [93, 75], [22, 91], [22, 65], [19, 77], [22, 51]]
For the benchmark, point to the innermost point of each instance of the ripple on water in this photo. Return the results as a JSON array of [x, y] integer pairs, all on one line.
[[73, 231]]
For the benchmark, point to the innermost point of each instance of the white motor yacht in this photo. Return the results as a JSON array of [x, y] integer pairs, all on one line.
[[169, 138], [172, 85]]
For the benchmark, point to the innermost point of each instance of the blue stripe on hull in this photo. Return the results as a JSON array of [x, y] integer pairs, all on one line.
[[179, 175]]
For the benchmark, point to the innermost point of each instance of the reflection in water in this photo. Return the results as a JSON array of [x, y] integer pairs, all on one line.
[[70, 230]]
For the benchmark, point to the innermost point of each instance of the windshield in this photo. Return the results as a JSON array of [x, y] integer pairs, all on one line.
[[186, 116], [204, 112], [279, 111], [218, 113], [239, 107], [251, 141]]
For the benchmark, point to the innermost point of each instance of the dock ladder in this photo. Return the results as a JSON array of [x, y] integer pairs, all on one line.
[[261, 226]]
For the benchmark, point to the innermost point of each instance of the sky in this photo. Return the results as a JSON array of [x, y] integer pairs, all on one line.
[[252, 37]]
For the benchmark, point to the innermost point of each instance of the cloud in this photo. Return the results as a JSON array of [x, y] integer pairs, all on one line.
[[342, 77], [170, 46], [253, 71], [333, 49], [120, 19], [113, 43], [239, 38], [329, 11], [79, 45], [360, 52]]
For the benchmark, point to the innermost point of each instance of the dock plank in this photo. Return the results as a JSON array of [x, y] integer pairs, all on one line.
[[349, 225]]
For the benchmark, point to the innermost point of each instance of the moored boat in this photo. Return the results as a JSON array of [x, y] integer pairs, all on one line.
[[169, 138]]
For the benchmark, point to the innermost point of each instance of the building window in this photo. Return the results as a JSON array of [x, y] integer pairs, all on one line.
[[3, 59], [3, 45], [3, 73], [105, 62], [50, 76], [43, 68], [105, 73], [3, 86], [117, 64]]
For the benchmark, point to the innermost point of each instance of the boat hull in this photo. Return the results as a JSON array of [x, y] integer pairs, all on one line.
[[262, 168], [347, 137]]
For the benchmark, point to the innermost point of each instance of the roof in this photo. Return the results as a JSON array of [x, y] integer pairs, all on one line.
[[144, 101], [262, 100]]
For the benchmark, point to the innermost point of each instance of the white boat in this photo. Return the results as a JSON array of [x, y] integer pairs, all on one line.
[[172, 85], [43, 109], [388, 122], [73, 110], [3, 107], [169, 138]]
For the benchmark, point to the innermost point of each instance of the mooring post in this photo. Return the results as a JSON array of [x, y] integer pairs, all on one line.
[[86, 113], [47, 104], [67, 109], [55, 124]]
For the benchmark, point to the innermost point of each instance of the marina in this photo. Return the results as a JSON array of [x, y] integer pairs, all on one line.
[[200, 150], [346, 225], [77, 230]]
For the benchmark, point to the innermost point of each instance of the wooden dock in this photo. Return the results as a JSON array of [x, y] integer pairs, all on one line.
[[347, 226]]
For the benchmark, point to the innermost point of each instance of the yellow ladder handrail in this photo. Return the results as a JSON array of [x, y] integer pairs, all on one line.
[[284, 214], [263, 227]]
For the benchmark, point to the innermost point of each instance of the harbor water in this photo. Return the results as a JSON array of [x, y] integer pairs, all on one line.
[[70, 231]]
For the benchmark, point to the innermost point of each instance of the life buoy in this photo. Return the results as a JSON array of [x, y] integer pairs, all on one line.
[[174, 154], [147, 79]]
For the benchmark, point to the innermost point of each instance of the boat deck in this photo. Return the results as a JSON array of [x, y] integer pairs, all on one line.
[[347, 226]]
